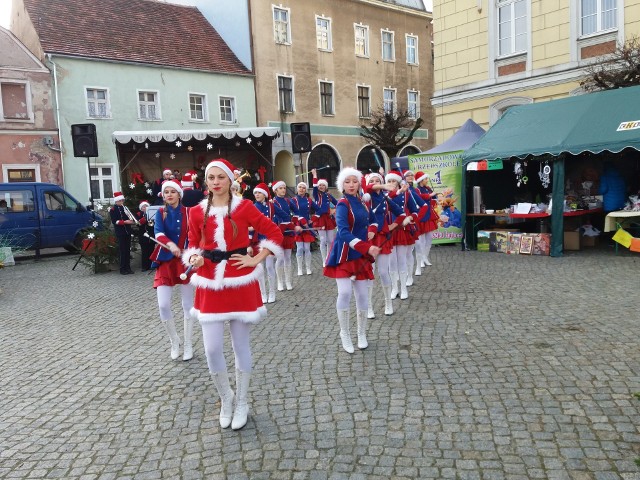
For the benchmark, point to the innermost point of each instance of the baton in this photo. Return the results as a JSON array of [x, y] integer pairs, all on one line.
[[156, 241], [184, 275]]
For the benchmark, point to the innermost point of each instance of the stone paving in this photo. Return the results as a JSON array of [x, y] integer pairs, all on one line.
[[496, 367]]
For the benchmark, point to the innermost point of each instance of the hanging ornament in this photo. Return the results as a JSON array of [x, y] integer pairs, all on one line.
[[545, 174], [209, 146], [172, 156], [190, 148], [157, 155], [178, 143], [519, 172]]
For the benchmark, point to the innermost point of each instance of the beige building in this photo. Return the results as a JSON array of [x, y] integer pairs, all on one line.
[[331, 64], [493, 54]]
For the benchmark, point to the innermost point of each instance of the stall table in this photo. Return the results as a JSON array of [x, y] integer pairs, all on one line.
[[616, 220]]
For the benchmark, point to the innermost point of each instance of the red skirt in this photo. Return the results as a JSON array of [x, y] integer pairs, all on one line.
[[358, 269], [288, 242], [168, 274], [380, 240], [326, 221], [402, 236], [243, 302], [306, 237], [430, 225]]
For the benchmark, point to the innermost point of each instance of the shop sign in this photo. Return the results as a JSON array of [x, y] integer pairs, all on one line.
[[628, 126]]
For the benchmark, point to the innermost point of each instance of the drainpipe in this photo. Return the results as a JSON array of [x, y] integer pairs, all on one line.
[[55, 92]]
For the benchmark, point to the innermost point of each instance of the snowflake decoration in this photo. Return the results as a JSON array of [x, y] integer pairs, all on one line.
[[209, 146], [21, 145], [259, 144], [248, 139], [172, 156], [157, 155], [132, 186], [237, 144], [146, 145], [178, 143], [149, 191], [95, 224], [91, 236], [190, 148], [146, 184]]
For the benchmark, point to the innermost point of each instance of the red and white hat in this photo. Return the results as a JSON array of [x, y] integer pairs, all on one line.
[[187, 180], [263, 189], [277, 185], [408, 172], [371, 175], [302, 184], [167, 171], [393, 175], [117, 196], [420, 176], [322, 181], [143, 203], [344, 174], [225, 165], [172, 184]]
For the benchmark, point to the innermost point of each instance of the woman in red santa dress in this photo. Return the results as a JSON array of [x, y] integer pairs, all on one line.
[[226, 281]]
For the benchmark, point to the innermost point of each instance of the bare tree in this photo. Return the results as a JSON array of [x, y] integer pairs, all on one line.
[[617, 70], [391, 130]]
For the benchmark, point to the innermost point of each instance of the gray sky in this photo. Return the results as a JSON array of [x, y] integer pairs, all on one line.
[[5, 12]]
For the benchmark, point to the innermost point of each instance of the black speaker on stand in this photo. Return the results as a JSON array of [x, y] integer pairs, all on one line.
[[300, 137], [85, 144]]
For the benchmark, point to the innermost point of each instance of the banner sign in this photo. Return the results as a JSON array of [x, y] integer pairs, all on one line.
[[445, 178]]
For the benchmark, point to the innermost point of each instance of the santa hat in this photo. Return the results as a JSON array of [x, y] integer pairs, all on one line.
[[167, 170], [322, 181], [420, 176], [225, 165], [117, 196], [187, 180], [277, 185], [393, 175], [372, 175], [172, 184], [302, 184], [263, 189], [347, 172], [143, 203], [237, 172], [408, 172]]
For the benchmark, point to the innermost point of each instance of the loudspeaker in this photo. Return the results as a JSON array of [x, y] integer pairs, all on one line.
[[85, 141], [300, 137]]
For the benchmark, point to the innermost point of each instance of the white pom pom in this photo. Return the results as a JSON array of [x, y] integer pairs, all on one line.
[[366, 197]]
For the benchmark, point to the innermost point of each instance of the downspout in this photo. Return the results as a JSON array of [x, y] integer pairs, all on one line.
[[55, 91]]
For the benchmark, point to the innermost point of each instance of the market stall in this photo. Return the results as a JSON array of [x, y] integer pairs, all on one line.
[[543, 140]]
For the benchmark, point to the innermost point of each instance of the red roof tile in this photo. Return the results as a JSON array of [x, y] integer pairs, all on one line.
[[143, 31]]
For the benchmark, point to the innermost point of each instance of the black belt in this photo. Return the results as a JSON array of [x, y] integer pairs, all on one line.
[[216, 256]]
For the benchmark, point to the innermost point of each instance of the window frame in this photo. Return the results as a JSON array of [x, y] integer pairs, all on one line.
[[205, 107], [417, 103], [394, 100], [358, 97], [322, 95], [19, 166], [28, 101], [100, 178], [234, 109], [365, 39], [292, 93], [26, 197], [288, 24], [393, 44], [415, 48], [158, 117], [329, 47], [107, 102], [512, 30], [599, 30]]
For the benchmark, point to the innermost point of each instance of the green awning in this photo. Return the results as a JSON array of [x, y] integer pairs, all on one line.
[[593, 123]]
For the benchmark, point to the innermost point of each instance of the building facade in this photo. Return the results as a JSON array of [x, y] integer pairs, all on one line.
[[491, 55], [28, 132]]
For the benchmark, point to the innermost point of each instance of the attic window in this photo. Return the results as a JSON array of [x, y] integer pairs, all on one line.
[[14, 101]]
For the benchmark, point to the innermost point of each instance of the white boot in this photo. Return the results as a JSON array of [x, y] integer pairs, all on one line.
[[242, 407], [345, 333], [280, 277], [409, 281], [287, 277], [394, 284], [418, 267], [263, 290], [170, 327], [299, 260], [404, 294], [426, 261], [410, 268], [188, 338], [388, 303], [370, 312], [362, 329], [272, 290], [323, 253], [307, 260], [221, 381]]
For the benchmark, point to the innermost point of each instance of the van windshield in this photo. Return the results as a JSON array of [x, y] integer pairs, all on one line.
[[16, 201], [59, 201]]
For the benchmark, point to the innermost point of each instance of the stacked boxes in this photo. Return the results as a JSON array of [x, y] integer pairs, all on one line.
[[510, 241]]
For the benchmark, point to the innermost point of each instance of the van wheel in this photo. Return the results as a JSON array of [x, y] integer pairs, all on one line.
[[76, 246]]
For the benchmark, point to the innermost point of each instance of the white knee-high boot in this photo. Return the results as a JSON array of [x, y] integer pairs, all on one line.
[[403, 286], [242, 406], [419, 261], [345, 333], [361, 317], [272, 289], [299, 260], [323, 253], [280, 277], [409, 281], [263, 290], [287, 277], [394, 284], [221, 381], [370, 312], [170, 327], [307, 260], [425, 254], [388, 303], [188, 338]]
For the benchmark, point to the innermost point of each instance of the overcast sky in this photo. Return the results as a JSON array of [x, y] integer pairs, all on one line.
[[5, 11]]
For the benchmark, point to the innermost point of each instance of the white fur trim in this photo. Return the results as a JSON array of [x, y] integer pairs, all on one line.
[[214, 211], [354, 242], [221, 165], [422, 177], [262, 191], [118, 198], [347, 172], [393, 176], [302, 184], [322, 181], [186, 255], [219, 282], [374, 174], [277, 185], [142, 204], [245, 317], [172, 184], [276, 249]]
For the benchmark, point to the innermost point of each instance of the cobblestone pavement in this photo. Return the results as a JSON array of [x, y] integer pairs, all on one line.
[[496, 367]]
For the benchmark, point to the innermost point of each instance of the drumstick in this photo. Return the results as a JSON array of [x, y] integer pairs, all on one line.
[[183, 276], [157, 241]]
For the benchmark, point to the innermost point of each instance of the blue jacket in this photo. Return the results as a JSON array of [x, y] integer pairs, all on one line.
[[282, 215], [385, 211], [268, 210], [301, 207], [613, 189], [172, 228], [354, 221]]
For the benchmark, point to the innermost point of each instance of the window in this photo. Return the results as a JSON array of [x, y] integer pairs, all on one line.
[[56, 201], [389, 100], [388, 49], [15, 101], [364, 101], [198, 107], [412, 49], [512, 26], [413, 103], [362, 40], [326, 98], [285, 94], [101, 182], [281, 30], [148, 105], [227, 109], [97, 103], [597, 15], [16, 201], [323, 33], [21, 175]]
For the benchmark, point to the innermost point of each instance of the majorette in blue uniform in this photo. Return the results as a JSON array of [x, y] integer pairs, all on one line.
[[324, 219], [284, 219], [267, 208], [301, 206]]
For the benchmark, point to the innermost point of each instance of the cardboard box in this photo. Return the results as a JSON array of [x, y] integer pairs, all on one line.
[[483, 240], [541, 243], [514, 244], [587, 241], [502, 241], [572, 240]]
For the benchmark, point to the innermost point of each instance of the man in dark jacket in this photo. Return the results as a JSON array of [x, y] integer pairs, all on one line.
[[612, 188]]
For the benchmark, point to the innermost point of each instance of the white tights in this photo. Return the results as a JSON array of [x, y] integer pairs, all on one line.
[[303, 249], [164, 300], [428, 241], [269, 263], [360, 289], [285, 260], [326, 240], [401, 252], [383, 262], [213, 339]]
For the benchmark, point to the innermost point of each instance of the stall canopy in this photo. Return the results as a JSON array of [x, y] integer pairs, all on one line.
[[596, 122], [186, 135]]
